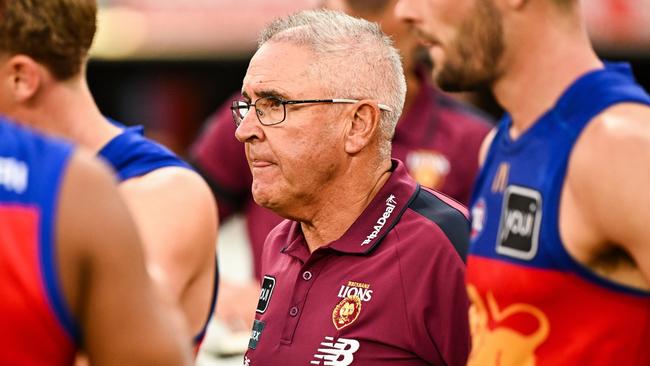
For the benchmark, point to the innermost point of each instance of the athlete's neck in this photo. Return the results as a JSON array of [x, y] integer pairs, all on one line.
[[67, 109], [541, 63]]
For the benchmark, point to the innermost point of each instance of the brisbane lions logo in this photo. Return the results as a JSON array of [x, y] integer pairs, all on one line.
[[346, 312]]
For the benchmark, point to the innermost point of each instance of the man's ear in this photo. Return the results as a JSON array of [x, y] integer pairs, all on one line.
[[23, 77], [364, 124]]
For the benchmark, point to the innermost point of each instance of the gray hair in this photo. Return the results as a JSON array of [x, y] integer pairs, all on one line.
[[354, 59]]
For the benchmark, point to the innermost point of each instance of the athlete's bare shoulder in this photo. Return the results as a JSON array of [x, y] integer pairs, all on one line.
[[623, 122], [176, 216], [605, 191], [173, 204], [614, 146]]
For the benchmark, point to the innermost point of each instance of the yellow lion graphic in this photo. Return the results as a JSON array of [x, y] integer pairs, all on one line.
[[502, 346]]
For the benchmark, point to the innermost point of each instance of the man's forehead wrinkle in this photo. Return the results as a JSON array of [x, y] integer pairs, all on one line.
[[271, 73], [272, 93], [261, 89], [263, 86]]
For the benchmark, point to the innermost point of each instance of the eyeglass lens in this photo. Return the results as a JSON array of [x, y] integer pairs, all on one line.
[[269, 110]]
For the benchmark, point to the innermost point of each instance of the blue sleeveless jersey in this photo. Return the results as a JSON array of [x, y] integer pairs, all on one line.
[[37, 327], [132, 155], [531, 302]]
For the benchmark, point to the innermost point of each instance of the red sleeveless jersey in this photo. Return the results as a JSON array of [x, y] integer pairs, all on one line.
[[37, 328]]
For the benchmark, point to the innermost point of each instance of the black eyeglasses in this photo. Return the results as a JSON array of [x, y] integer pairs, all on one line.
[[272, 110]]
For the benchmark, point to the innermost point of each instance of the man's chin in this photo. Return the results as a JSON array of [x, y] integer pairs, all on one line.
[[263, 197]]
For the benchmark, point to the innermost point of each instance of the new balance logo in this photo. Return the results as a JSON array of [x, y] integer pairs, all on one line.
[[339, 353]]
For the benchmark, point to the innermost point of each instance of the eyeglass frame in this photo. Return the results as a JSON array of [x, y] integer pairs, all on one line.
[[235, 107]]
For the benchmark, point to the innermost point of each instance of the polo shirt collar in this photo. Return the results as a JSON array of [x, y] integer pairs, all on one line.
[[383, 212]]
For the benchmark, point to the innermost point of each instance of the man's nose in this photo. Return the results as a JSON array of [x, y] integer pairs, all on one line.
[[404, 10], [249, 127]]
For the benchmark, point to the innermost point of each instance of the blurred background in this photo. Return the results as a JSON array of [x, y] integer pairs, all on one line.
[[168, 64]]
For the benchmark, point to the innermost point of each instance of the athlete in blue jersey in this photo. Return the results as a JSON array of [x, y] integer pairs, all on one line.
[[72, 272], [559, 264], [44, 86]]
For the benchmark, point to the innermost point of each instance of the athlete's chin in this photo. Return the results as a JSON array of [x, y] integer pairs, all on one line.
[[457, 79]]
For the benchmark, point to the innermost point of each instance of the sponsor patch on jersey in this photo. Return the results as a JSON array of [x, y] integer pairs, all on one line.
[[520, 223], [258, 327], [265, 294], [391, 201], [346, 312], [14, 175], [478, 218], [427, 167], [336, 353]]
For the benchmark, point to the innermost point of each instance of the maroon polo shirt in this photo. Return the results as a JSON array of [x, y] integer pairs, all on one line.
[[438, 139], [391, 289]]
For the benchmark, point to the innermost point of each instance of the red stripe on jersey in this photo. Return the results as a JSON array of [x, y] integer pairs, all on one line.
[[31, 333], [522, 315]]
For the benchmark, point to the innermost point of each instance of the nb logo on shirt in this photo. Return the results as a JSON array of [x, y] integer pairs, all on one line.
[[520, 223], [339, 353]]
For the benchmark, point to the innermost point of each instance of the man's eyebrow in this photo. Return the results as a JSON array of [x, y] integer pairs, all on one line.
[[268, 93], [272, 93]]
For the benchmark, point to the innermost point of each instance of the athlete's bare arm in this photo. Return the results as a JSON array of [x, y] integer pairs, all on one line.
[[605, 208], [122, 318], [175, 213]]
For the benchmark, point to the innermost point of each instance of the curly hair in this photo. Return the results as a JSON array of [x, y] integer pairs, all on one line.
[[55, 33]]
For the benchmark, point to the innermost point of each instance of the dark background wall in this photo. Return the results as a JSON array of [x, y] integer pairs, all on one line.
[[171, 99]]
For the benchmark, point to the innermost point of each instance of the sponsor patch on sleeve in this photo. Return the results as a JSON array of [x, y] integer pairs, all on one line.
[[265, 294], [258, 327]]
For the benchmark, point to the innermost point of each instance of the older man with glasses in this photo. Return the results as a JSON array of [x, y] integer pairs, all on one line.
[[273, 110], [367, 267]]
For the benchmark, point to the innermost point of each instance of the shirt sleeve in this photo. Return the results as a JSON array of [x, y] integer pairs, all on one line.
[[437, 304], [220, 158]]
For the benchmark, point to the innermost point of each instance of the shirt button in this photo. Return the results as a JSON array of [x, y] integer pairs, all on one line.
[[293, 311], [306, 275]]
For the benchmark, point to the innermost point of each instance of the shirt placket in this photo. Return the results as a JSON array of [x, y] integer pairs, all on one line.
[[303, 284]]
